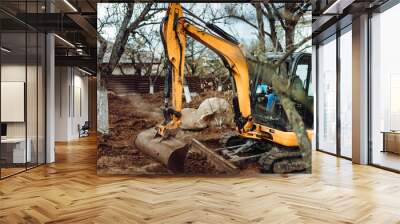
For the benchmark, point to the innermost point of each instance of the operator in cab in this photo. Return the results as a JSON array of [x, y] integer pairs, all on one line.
[[266, 95]]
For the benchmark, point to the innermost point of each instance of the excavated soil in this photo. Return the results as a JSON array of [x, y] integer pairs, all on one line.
[[133, 113], [117, 153], [197, 163]]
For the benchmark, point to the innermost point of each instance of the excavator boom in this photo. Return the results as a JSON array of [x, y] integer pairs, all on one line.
[[174, 29]]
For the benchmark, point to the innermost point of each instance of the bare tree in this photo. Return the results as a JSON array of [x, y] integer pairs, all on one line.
[[195, 56], [125, 20], [144, 51], [126, 28]]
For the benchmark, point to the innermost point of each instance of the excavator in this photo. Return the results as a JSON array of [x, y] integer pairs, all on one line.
[[258, 131]]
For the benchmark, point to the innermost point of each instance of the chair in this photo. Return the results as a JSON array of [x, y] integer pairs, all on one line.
[[84, 130]]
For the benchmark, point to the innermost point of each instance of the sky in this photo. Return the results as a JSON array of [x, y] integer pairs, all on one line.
[[242, 31], [238, 28]]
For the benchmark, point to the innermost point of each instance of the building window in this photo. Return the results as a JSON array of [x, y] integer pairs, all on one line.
[[327, 96], [385, 89], [346, 93]]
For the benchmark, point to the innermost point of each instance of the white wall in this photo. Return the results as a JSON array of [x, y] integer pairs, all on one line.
[[70, 84], [12, 73], [80, 111], [62, 81], [16, 73], [33, 127]]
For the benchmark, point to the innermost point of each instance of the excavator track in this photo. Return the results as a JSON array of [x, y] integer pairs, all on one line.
[[271, 158], [282, 160]]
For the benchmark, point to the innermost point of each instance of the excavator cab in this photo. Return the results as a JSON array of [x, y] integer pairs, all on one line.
[[301, 71], [266, 107]]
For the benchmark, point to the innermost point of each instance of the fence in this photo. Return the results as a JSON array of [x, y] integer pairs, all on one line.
[[123, 84]]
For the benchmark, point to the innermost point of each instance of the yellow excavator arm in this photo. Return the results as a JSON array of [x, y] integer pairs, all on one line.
[[174, 42], [174, 29]]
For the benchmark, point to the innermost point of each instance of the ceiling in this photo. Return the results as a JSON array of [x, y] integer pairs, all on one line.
[[332, 15], [74, 22]]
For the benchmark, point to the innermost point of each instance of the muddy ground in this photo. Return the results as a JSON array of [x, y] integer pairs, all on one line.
[[133, 113]]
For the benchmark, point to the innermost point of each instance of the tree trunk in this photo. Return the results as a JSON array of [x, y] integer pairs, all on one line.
[[290, 24], [102, 107], [102, 100], [120, 41], [298, 127], [260, 27], [289, 35], [151, 85]]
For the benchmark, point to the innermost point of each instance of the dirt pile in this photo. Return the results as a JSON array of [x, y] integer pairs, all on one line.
[[212, 112], [131, 114]]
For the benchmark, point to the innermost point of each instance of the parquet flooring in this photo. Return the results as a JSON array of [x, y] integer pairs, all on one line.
[[69, 191], [10, 171]]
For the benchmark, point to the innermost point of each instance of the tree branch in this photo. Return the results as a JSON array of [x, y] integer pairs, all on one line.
[[241, 18], [140, 18], [278, 15], [291, 50]]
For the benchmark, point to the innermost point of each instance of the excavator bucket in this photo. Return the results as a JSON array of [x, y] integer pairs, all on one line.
[[171, 152]]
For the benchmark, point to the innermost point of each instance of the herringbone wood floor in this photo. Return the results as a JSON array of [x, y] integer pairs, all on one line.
[[69, 191]]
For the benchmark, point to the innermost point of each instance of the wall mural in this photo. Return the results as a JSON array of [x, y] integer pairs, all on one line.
[[204, 89]]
